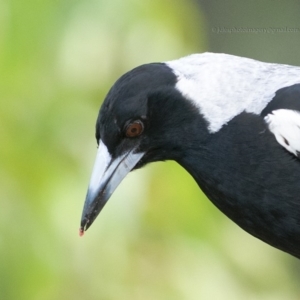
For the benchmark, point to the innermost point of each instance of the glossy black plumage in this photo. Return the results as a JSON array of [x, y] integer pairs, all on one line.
[[241, 168], [286, 98]]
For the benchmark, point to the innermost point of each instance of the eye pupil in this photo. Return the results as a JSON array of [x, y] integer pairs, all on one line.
[[134, 129]]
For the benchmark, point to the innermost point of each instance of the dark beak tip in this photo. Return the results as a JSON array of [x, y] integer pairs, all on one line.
[[85, 223]]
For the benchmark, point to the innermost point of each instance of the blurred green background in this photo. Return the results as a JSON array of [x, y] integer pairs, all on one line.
[[158, 237]]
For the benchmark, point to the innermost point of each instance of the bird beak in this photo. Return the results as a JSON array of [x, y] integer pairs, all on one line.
[[107, 174]]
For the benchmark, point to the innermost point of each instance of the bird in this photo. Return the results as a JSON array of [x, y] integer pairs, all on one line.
[[233, 123]]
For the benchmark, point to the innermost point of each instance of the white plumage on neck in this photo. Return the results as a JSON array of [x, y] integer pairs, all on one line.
[[222, 86]]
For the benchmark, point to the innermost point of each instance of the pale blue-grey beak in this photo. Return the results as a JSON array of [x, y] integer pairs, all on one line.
[[107, 174]]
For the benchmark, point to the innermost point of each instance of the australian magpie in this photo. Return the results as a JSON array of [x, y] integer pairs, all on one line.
[[233, 123]]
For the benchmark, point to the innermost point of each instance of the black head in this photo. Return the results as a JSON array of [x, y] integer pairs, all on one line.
[[143, 119]]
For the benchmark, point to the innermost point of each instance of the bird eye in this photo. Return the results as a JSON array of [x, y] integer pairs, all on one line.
[[134, 129]]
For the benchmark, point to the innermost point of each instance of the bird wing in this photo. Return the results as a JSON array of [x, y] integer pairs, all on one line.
[[282, 116], [285, 125]]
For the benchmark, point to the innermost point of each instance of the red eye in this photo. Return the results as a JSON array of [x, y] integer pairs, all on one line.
[[134, 129]]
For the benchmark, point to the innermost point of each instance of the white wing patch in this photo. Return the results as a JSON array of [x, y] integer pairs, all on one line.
[[285, 125]]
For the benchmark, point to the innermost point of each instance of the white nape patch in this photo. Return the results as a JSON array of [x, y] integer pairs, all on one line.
[[222, 86], [285, 125], [103, 158]]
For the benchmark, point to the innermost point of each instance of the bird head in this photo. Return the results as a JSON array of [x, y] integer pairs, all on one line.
[[143, 119]]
